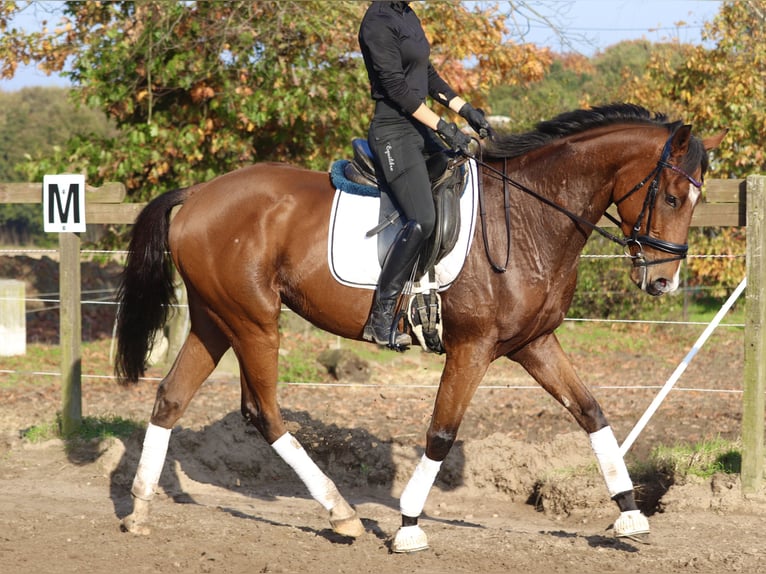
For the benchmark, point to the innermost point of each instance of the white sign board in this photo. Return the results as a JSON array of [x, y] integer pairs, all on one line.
[[64, 203]]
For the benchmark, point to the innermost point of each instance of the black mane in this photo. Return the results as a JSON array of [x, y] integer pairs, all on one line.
[[508, 145]]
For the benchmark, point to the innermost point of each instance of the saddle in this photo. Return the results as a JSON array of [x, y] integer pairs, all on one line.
[[447, 183]]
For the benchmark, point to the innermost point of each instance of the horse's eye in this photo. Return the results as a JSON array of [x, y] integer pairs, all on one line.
[[671, 200]]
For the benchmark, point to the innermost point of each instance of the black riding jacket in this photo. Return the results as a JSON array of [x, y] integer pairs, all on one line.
[[397, 57]]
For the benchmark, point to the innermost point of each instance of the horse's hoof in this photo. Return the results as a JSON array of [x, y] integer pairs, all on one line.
[[344, 521], [136, 521], [632, 525], [130, 524], [351, 527], [410, 539], [641, 538]]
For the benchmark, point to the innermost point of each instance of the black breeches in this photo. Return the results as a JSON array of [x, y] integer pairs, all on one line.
[[401, 147]]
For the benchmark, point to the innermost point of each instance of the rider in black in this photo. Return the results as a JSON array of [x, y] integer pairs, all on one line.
[[402, 138]]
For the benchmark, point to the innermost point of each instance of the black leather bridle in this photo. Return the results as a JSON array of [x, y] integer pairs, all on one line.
[[635, 240], [677, 250]]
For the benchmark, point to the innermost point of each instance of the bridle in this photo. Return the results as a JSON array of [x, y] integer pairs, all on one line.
[[636, 240], [677, 250]]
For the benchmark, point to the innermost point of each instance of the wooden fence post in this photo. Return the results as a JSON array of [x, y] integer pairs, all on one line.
[[70, 332], [755, 339], [178, 325]]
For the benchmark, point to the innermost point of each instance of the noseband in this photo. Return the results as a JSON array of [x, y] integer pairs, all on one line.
[[676, 250]]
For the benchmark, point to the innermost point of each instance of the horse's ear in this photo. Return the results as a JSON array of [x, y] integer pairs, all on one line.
[[681, 139], [712, 142]]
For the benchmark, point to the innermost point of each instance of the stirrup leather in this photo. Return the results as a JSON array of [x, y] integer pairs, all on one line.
[[425, 317]]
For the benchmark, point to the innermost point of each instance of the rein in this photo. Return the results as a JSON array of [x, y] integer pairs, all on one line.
[[676, 250]]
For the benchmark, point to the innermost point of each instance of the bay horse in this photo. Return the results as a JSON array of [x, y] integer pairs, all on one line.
[[251, 240]]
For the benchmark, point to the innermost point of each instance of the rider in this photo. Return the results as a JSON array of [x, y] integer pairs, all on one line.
[[402, 138]]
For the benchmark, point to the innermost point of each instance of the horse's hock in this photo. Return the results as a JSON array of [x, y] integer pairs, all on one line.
[[13, 326]]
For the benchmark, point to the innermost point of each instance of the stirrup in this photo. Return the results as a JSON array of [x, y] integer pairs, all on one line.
[[396, 340], [393, 338], [399, 341]]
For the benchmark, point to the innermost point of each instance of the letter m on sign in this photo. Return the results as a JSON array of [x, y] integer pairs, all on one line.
[[64, 203]]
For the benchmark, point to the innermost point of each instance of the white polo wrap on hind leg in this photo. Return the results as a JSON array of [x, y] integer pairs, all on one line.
[[416, 492], [152, 460], [610, 460], [320, 486]]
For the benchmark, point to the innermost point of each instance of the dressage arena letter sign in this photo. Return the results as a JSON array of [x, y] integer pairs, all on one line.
[[64, 203]]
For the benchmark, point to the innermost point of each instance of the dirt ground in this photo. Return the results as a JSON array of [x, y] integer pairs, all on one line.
[[519, 492]]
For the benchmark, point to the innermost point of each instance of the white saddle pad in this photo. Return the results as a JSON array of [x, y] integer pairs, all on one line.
[[353, 257]]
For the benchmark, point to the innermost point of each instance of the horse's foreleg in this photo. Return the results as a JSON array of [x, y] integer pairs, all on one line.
[[463, 371], [548, 364], [193, 365], [259, 356]]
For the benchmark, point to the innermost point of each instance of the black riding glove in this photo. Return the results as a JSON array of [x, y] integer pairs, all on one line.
[[454, 138], [476, 120]]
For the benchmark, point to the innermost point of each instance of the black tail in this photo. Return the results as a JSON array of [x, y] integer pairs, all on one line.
[[146, 288]]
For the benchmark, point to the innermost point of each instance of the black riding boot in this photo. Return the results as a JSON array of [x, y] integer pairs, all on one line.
[[397, 268]]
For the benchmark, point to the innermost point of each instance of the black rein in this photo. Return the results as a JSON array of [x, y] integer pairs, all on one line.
[[677, 250]]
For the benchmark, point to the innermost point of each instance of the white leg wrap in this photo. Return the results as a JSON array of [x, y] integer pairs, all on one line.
[[152, 460], [415, 493], [610, 460], [320, 486]]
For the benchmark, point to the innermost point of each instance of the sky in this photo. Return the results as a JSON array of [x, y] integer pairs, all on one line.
[[594, 25], [590, 25]]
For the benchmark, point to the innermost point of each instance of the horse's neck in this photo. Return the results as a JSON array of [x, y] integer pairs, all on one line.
[[578, 189], [547, 242]]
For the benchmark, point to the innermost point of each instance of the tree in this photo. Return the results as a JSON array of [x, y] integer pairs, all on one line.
[[722, 87], [35, 122], [574, 81], [199, 88], [715, 88]]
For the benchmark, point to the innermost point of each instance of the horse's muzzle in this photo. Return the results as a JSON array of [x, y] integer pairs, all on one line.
[[660, 287]]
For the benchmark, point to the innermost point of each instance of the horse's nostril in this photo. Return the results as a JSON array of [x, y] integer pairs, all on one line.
[[657, 287]]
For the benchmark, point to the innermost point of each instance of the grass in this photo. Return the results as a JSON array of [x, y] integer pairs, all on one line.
[[89, 442], [701, 460], [42, 363], [92, 428], [301, 345], [705, 309], [641, 338], [600, 338], [38, 359]]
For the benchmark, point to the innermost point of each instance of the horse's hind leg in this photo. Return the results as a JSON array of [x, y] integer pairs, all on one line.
[[199, 355], [548, 364], [258, 353]]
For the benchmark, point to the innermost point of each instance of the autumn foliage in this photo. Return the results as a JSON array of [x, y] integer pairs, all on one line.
[[200, 88]]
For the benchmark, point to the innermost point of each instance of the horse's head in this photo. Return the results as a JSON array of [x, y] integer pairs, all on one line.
[[656, 209]]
